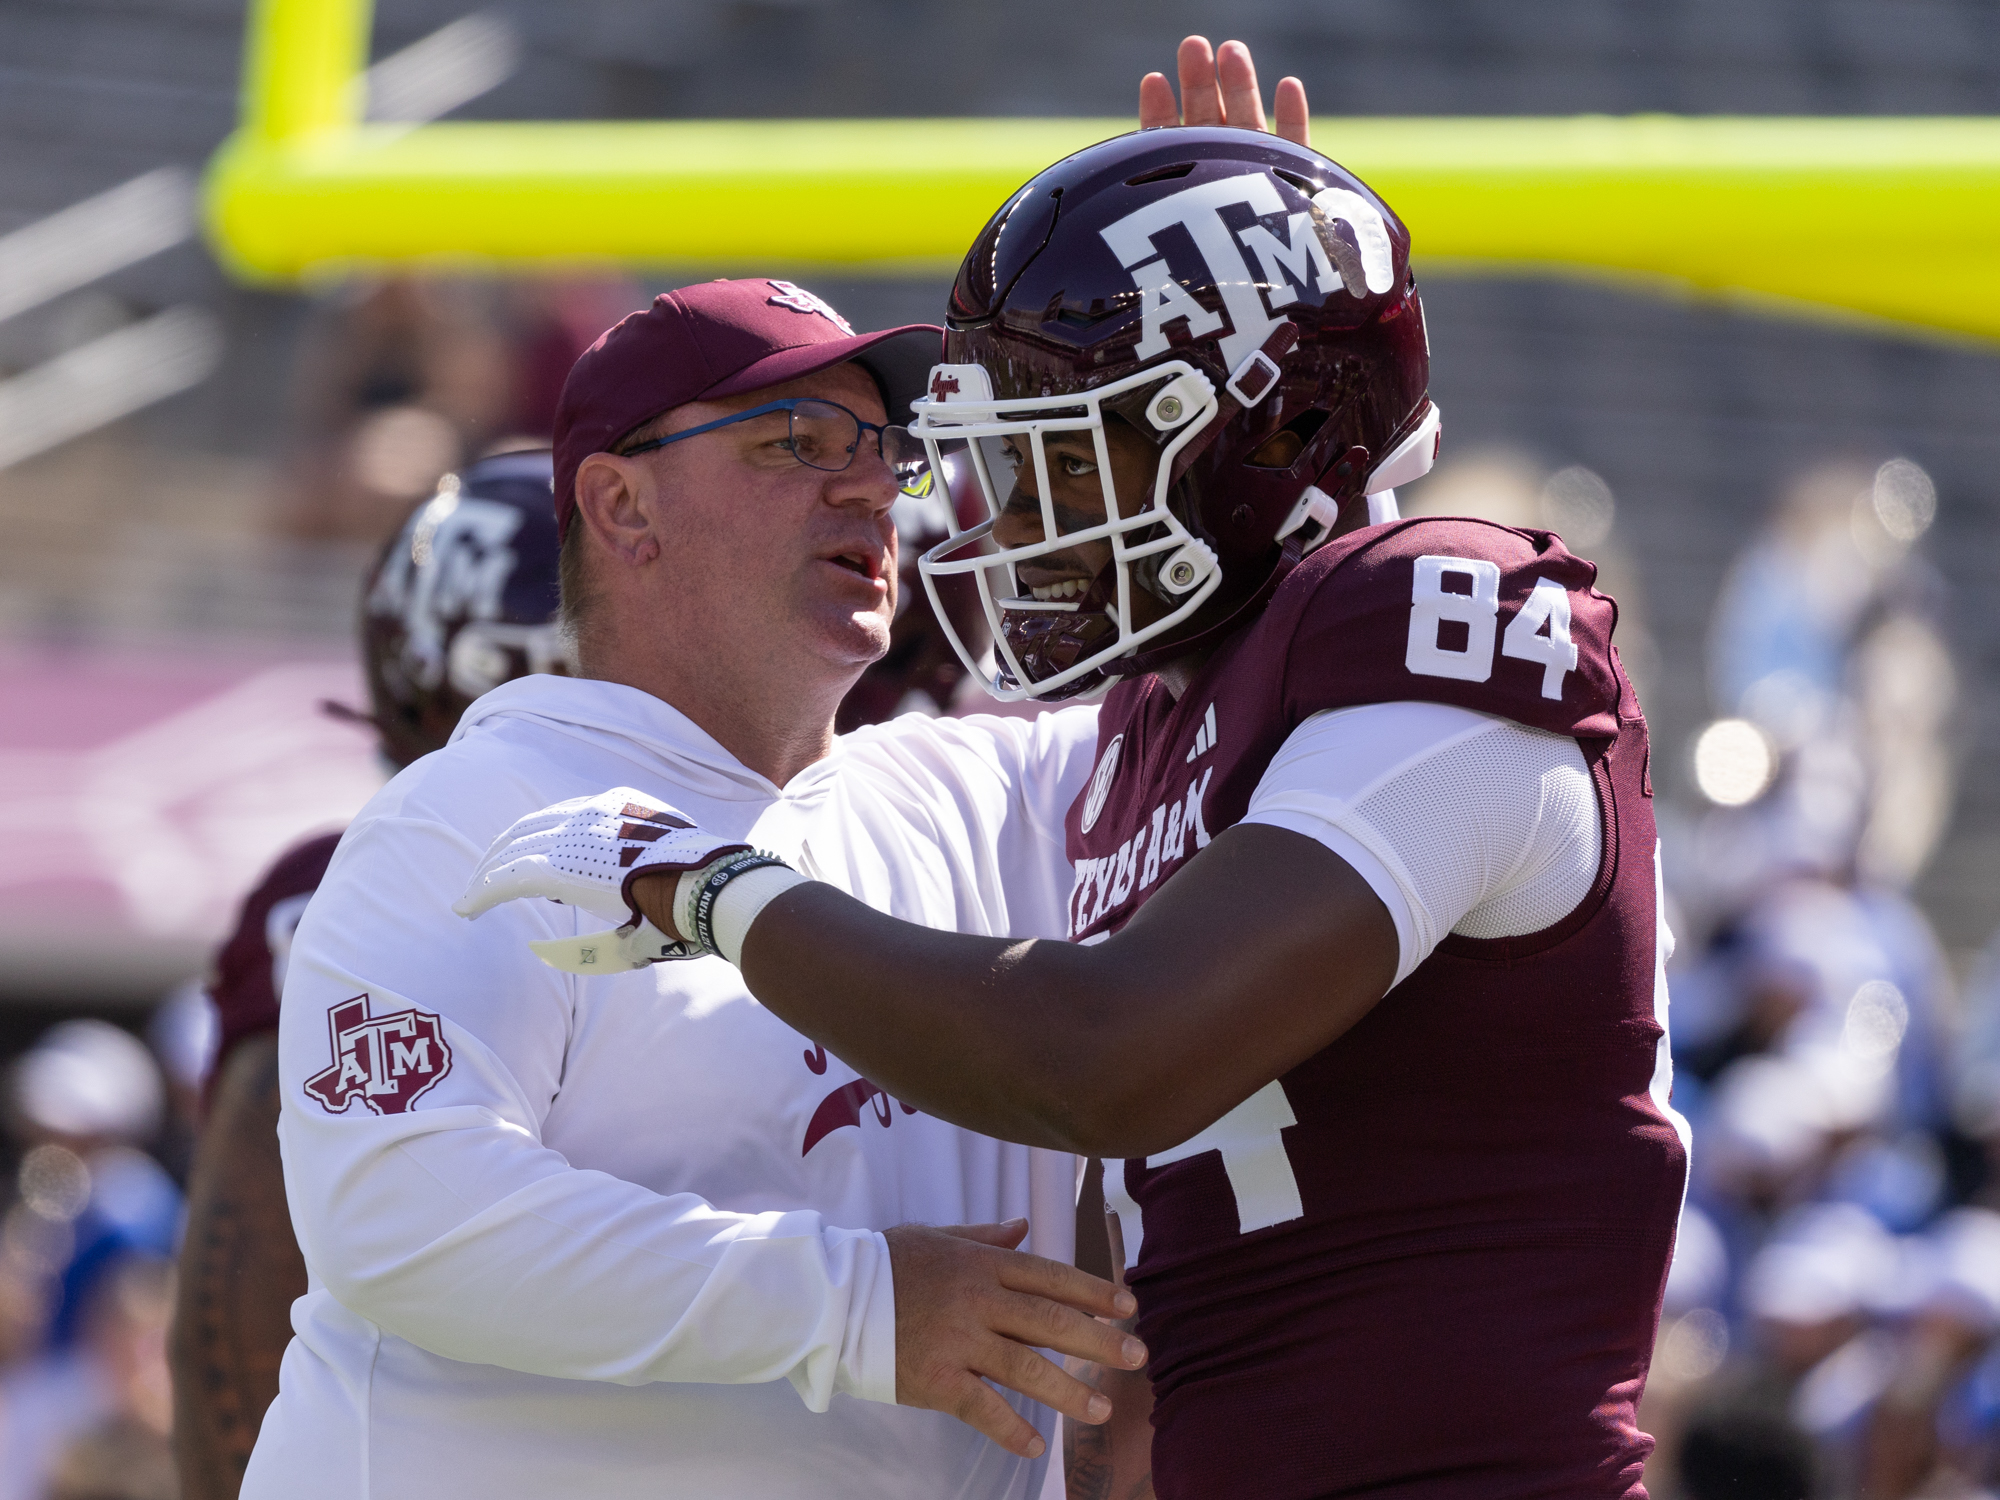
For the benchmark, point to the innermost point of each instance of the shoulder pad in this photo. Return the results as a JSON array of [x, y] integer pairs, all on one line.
[[1452, 610]]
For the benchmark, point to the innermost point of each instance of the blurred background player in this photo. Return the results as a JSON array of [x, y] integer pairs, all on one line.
[[462, 599]]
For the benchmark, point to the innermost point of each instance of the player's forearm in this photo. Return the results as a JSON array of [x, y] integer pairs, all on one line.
[[1120, 1049], [1113, 1461], [988, 1033]]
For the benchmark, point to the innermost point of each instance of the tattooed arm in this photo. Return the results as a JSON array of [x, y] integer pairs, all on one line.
[[1113, 1461], [240, 1272]]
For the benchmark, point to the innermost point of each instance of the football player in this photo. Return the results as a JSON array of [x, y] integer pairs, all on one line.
[[460, 600], [1365, 997]]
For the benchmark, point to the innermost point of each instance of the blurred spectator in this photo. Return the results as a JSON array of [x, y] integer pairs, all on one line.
[[403, 380], [95, 1421], [549, 323], [84, 1253], [84, 1098], [399, 382], [1825, 639], [1934, 1431], [1843, 1349]]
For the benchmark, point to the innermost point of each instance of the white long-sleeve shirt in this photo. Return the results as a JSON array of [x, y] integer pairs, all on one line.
[[621, 1236]]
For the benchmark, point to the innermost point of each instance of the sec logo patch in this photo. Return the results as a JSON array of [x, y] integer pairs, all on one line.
[[384, 1061], [1099, 790]]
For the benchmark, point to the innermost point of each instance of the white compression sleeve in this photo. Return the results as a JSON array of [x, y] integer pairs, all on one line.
[[742, 900], [737, 904], [1459, 821]]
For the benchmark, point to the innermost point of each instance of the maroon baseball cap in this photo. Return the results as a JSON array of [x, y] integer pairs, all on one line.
[[714, 339]]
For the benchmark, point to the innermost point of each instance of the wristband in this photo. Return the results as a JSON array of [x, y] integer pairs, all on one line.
[[712, 925]]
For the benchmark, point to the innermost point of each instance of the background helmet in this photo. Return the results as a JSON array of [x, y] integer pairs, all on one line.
[[461, 600], [1209, 288]]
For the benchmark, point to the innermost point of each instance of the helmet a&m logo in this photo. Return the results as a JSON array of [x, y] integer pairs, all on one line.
[[1297, 254], [384, 1061]]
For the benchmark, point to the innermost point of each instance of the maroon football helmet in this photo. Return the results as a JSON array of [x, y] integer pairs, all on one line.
[[1208, 289], [461, 600]]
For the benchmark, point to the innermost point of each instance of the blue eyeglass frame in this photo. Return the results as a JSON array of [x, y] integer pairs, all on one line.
[[790, 407]]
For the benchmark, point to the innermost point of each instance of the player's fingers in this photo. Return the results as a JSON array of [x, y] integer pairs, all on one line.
[[1043, 1324], [1242, 104], [1066, 1284], [1156, 102], [521, 828], [505, 882], [1201, 100], [1020, 1368], [1294, 119], [1006, 1236], [980, 1407]]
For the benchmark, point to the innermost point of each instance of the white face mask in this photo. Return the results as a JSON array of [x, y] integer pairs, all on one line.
[[971, 437]]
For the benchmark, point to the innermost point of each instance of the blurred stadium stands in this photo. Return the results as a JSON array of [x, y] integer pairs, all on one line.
[[168, 567], [1695, 417]]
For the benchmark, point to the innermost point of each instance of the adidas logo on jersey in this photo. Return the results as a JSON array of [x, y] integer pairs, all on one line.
[[1204, 737]]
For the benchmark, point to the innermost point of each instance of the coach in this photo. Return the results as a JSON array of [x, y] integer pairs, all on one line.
[[635, 1236]]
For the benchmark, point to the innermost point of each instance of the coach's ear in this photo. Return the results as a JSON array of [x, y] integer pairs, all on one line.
[[612, 499]]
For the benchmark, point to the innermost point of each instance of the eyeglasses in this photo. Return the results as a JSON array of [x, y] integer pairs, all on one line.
[[821, 435]]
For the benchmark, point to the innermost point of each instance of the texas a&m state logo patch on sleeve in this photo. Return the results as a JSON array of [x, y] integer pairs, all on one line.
[[384, 1061]]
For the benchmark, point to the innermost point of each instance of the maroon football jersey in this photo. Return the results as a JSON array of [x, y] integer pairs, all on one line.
[[245, 990], [1429, 1260]]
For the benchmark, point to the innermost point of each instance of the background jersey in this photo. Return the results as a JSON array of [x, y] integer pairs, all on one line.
[[1428, 1260], [250, 968]]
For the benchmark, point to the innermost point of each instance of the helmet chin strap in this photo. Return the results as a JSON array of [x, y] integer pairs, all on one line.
[[1283, 340]]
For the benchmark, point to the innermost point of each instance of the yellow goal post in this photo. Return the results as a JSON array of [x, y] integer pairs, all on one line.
[[1872, 218]]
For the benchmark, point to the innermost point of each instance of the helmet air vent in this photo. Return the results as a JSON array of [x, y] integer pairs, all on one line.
[[1161, 174]]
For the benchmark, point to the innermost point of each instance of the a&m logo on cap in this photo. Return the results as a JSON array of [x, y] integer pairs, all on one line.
[[798, 299]]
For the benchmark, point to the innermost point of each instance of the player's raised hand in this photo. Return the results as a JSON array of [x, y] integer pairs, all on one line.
[[1219, 87], [583, 852], [970, 1308]]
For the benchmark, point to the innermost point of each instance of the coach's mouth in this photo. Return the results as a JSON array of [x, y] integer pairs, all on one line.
[[862, 562]]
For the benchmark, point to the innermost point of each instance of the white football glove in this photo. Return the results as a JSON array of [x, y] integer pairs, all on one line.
[[585, 853]]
